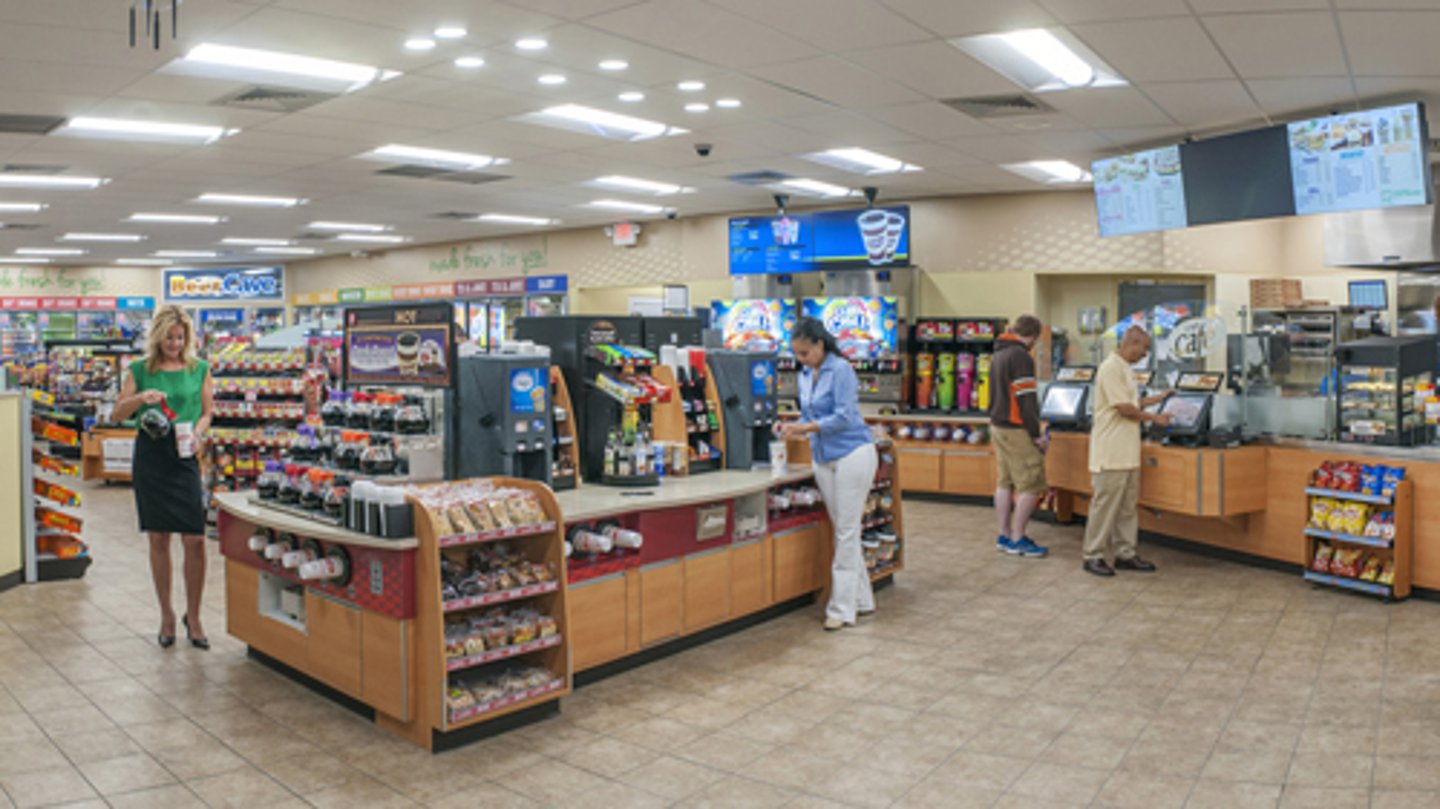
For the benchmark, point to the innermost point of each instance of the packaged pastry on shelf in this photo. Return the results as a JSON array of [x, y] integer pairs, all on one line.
[[458, 698], [459, 518]]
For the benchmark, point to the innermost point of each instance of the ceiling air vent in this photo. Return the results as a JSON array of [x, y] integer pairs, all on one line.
[[31, 168], [273, 99], [12, 226], [760, 177], [1006, 106], [418, 172], [29, 124], [459, 216]]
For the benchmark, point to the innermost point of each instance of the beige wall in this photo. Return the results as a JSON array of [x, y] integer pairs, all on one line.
[[87, 281], [12, 498]]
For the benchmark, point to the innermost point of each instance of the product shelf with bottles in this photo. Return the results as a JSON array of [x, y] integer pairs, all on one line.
[[565, 454], [58, 549], [882, 538], [1359, 533], [951, 365], [693, 418], [620, 400]]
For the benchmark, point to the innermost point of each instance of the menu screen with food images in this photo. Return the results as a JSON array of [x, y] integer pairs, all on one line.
[[400, 345], [1141, 192], [1357, 160], [758, 324]]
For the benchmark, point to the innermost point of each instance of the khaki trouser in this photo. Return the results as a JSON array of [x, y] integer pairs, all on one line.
[[1113, 523]]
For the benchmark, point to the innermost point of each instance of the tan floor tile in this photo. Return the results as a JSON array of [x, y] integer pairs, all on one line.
[[614, 793], [1333, 770], [1241, 735], [243, 789], [198, 761], [46, 787], [858, 785], [96, 745], [1337, 739], [1168, 761], [1403, 800], [982, 770], [1249, 766], [735, 792], [174, 796], [170, 734], [1129, 790], [1300, 797], [20, 728], [1102, 721], [1223, 795], [1409, 740], [116, 776], [21, 757], [1002, 740], [1407, 773], [76, 719], [946, 793], [1080, 750], [484, 796], [1012, 800], [359, 791], [790, 768], [660, 733], [722, 751], [1060, 781], [671, 777], [548, 781], [912, 758]]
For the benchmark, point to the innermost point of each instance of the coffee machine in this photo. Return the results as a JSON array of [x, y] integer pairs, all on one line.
[[501, 421], [747, 384]]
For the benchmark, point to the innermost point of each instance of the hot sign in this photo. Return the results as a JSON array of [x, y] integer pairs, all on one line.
[[226, 284]]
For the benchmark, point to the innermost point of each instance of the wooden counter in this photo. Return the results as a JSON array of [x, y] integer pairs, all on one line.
[[92, 454], [594, 502], [1248, 499]]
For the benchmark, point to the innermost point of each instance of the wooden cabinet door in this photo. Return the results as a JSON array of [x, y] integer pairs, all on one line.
[[385, 658], [797, 561], [597, 620], [662, 593], [334, 649], [918, 468], [1067, 462], [748, 573], [707, 589], [967, 471], [1169, 479]]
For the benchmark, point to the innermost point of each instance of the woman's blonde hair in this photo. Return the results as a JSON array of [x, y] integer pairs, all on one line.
[[167, 318]]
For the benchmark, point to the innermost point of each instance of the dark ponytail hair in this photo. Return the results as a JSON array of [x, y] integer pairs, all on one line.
[[813, 331]]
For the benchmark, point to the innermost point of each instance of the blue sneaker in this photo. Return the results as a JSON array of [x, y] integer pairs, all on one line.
[[1025, 546], [1003, 544]]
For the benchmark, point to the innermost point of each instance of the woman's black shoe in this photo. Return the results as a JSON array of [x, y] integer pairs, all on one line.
[[165, 641], [198, 643]]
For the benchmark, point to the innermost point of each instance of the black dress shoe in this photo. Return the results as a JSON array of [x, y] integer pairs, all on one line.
[[1134, 563], [199, 643], [1098, 567]]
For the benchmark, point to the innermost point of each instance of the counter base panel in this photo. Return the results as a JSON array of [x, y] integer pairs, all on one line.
[[11, 580], [659, 652], [338, 697], [440, 741]]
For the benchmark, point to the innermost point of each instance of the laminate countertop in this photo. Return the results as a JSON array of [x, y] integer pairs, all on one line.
[[592, 501], [239, 505]]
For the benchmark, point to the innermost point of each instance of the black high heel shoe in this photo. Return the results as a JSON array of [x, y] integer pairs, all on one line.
[[199, 643], [165, 641]]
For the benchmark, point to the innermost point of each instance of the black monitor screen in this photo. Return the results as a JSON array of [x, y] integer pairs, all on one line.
[[1062, 403], [1240, 176], [1185, 410], [1369, 294]]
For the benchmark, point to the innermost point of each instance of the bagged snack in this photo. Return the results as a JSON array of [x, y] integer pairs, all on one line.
[[458, 697], [516, 508], [1392, 477], [1321, 562], [1320, 508], [480, 515], [499, 512], [1371, 569], [1346, 562], [1387, 573], [1345, 476], [1370, 477], [459, 518], [1322, 477], [436, 512]]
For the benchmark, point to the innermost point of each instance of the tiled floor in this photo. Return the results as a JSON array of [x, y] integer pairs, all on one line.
[[983, 681]]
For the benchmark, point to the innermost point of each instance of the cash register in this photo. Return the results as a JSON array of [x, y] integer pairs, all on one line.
[[1189, 409], [1066, 406]]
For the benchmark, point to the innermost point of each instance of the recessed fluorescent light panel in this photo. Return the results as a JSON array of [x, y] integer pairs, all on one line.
[[287, 251], [50, 251], [514, 219], [728, 103], [622, 205], [690, 86], [144, 262], [250, 200], [631, 96], [420, 44], [356, 227], [103, 237], [451, 32], [23, 260], [643, 186], [273, 67], [50, 181], [187, 254], [552, 79], [698, 106], [176, 218], [22, 207], [374, 238], [1050, 172], [861, 161], [814, 188], [156, 131], [244, 242], [470, 62], [614, 65], [531, 44], [435, 158], [592, 121], [1041, 60]]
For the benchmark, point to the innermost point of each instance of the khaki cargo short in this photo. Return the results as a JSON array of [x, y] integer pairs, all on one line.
[[1019, 464]]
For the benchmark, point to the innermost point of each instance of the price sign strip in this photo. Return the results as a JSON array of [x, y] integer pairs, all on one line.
[[502, 596], [502, 653], [492, 536], [505, 702]]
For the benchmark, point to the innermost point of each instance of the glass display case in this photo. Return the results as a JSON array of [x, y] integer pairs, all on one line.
[[1382, 385]]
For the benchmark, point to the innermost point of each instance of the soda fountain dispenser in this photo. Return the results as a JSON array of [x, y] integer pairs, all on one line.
[[747, 384], [501, 418]]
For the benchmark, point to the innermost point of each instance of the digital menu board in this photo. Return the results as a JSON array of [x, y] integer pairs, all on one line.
[[1141, 192], [759, 324], [823, 240], [864, 327], [1357, 160]]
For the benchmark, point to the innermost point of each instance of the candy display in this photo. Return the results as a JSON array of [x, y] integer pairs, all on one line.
[[479, 507]]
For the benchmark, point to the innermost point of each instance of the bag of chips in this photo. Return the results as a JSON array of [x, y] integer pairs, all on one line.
[[1320, 508], [1370, 479], [1346, 562], [1387, 574], [1371, 569], [1321, 562], [1392, 477]]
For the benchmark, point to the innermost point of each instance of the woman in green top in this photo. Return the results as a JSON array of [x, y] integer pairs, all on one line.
[[168, 494]]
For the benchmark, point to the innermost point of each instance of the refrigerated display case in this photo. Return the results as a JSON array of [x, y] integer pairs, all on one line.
[[1309, 340], [1379, 382]]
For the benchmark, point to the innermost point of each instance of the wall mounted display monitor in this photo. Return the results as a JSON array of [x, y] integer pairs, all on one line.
[[864, 238], [1357, 160], [864, 327], [1369, 295], [1141, 192], [756, 324], [1237, 177]]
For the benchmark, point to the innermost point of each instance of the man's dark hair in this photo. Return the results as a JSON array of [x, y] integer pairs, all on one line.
[[1026, 326]]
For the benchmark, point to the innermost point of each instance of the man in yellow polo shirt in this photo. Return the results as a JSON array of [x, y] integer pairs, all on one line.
[[1113, 523]]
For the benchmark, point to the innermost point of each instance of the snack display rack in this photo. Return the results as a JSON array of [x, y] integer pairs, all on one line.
[[565, 461], [493, 624], [882, 537], [1360, 538], [692, 418], [57, 549]]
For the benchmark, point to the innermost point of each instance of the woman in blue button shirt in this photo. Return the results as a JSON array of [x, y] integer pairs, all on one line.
[[844, 462]]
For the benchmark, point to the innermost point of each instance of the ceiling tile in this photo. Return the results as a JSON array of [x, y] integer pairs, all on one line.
[[703, 32], [1386, 43], [936, 69], [843, 128], [1134, 138], [931, 119], [1284, 97], [1108, 106], [950, 18], [835, 25], [1071, 11], [837, 82], [1202, 105], [1295, 45], [1222, 6], [1156, 50]]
